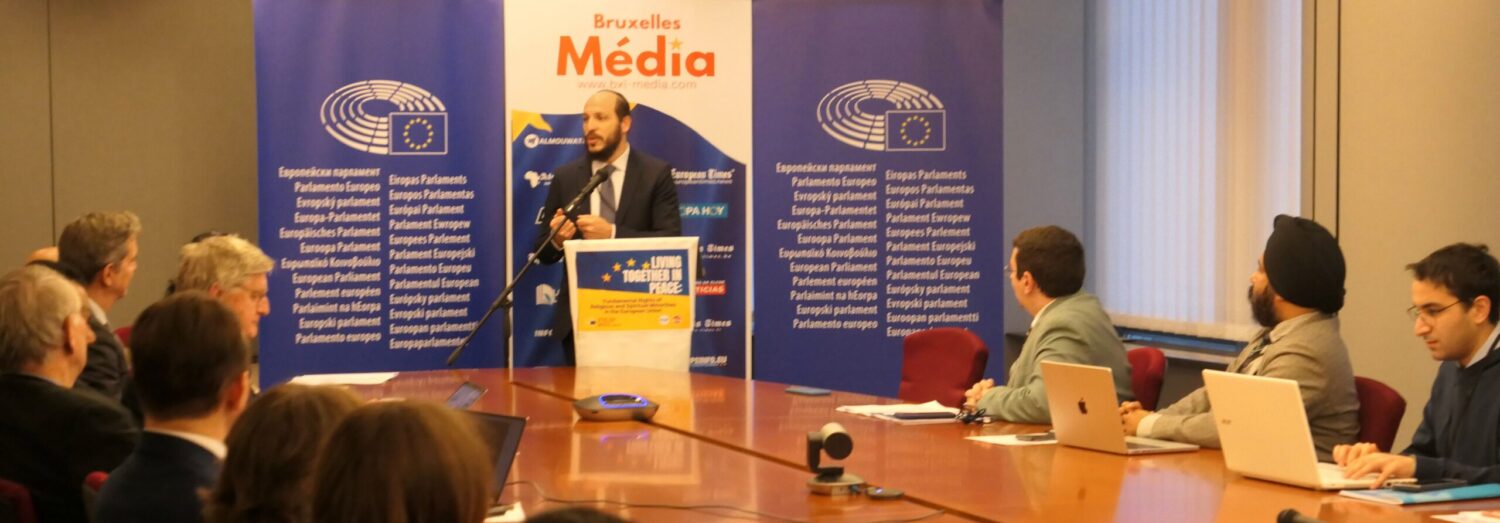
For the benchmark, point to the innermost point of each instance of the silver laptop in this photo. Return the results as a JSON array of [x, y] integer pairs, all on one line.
[[1263, 430], [1086, 411]]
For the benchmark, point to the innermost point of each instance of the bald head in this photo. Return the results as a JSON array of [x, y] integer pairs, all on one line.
[[609, 98], [606, 124]]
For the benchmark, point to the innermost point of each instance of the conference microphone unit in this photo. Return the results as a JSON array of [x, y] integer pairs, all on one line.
[[1292, 516]]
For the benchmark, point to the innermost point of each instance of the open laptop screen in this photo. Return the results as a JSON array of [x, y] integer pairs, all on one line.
[[503, 435]]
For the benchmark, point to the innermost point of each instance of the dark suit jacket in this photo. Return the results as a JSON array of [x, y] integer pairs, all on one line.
[[51, 437], [107, 368], [647, 209], [159, 482], [1459, 436]]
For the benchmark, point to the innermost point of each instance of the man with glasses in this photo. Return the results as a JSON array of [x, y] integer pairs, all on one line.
[[1453, 293], [1295, 294], [233, 271], [1068, 325]]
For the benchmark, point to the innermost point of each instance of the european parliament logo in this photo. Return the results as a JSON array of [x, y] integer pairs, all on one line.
[[386, 117], [885, 115], [419, 133]]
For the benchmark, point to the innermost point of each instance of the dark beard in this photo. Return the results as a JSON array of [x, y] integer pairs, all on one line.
[[1261, 306], [605, 153]]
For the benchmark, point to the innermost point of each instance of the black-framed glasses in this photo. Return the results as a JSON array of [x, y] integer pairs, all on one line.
[[1427, 313]]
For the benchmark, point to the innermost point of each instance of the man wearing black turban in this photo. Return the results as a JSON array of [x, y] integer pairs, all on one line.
[[1295, 294]]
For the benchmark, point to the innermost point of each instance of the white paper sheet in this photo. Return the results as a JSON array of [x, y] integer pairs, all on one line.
[[363, 378]]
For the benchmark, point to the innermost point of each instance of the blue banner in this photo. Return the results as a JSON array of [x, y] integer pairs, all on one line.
[[381, 186], [711, 189], [878, 185]]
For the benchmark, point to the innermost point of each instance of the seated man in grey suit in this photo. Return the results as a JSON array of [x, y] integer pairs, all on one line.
[[1294, 295], [99, 248], [1068, 325]]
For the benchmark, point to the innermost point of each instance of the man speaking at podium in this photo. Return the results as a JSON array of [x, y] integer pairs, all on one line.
[[637, 199]]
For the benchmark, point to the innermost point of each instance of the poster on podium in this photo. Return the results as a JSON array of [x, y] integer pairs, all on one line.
[[632, 301]]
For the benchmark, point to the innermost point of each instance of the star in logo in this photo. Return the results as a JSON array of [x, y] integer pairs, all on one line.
[[617, 267], [630, 262], [606, 277], [646, 265], [676, 44]]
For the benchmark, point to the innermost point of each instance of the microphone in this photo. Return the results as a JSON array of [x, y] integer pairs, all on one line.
[[503, 300], [1292, 516], [588, 188]]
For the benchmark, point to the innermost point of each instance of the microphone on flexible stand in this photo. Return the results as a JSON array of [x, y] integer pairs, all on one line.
[[1292, 516], [503, 301]]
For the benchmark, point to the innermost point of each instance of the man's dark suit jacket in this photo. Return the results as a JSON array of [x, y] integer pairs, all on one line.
[[159, 482], [107, 369], [51, 437], [647, 209]]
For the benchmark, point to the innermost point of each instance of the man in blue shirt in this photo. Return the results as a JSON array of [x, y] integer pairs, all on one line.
[[1454, 311]]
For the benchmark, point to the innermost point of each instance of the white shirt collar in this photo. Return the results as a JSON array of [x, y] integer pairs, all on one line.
[[1484, 350], [98, 312], [1039, 313], [213, 446]]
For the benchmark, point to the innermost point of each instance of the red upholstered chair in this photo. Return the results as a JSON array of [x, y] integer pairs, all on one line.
[[1148, 366], [1380, 411], [941, 364], [92, 484], [15, 503], [95, 480], [124, 334]]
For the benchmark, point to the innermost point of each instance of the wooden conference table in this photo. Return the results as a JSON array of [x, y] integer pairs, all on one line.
[[736, 443]]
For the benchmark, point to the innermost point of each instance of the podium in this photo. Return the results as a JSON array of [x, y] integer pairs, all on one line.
[[633, 301]]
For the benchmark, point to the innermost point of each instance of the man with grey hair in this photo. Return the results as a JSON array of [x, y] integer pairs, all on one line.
[[100, 249], [233, 271], [52, 435]]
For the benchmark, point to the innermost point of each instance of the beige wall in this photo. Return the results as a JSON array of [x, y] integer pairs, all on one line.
[[1419, 166], [152, 110], [1044, 68], [26, 135]]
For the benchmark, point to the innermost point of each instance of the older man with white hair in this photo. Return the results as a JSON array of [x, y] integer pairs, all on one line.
[[52, 435], [232, 270]]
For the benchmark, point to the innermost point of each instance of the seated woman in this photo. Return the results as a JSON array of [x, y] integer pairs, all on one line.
[[272, 447], [403, 462]]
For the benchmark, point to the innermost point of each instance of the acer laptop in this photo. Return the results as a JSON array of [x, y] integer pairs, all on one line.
[[1086, 412], [1264, 433]]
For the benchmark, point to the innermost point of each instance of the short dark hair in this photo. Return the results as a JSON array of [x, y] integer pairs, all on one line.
[[1053, 256], [1467, 270], [186, 348], [622, 106]]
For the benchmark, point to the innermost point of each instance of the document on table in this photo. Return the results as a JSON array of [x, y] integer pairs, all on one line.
[[364, 378], [887, 412], [1010, 440]]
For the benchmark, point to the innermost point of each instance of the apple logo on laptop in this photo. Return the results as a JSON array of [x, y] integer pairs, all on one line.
[[1083, 408]]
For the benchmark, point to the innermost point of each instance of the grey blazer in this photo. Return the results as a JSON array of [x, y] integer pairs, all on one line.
[[1310, 352], [1072, 329]]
